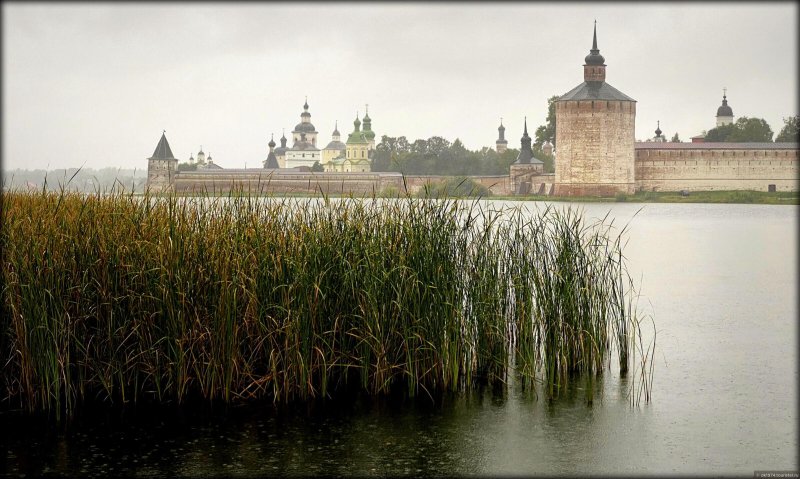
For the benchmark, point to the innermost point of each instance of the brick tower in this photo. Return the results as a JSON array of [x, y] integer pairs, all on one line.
[[595, 127]]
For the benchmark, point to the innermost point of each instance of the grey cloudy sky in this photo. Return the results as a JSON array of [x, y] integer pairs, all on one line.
[[95, 84]]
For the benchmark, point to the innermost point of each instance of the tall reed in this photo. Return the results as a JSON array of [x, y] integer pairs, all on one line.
[[122, 297]]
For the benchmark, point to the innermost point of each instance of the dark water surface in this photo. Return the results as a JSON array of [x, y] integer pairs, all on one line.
[[721, 284]]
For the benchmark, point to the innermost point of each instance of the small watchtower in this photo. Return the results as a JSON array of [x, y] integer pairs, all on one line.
[[161, 167]]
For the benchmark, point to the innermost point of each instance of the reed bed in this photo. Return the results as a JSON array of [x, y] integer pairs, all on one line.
[[119, 297]]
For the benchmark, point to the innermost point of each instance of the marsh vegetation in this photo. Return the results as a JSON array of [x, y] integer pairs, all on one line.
[[117, 297]]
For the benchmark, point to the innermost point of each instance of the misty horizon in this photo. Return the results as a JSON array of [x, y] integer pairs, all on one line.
[[95, 85]]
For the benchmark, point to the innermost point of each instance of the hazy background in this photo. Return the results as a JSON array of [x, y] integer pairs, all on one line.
[[95, 84]]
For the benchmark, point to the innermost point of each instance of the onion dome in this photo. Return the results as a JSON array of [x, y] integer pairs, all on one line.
[[336, 129], [368, 133], [304, 127], [594, 57], [305, 113], [502, 131], [724, 109], [658, 129], [281, 150], [357, 136], [271, 143]]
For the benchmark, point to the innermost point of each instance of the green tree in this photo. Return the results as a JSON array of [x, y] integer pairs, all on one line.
[[437, 145], [744, 130], [187, 166], [317, 167], [791, 130], [720, 133], [675, 138], [549, 160], [454, 187], [548, 130]]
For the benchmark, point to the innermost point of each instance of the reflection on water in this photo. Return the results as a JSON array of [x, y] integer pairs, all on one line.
[[721, 283]]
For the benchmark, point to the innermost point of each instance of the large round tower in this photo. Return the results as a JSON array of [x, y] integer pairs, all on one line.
[[595, 128]]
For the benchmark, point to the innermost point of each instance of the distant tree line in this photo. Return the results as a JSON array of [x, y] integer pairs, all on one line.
[[438, 156], [87, 180]]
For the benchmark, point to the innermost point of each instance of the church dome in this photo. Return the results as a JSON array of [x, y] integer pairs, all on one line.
[[724, 109], [595, 59], [304, 127]]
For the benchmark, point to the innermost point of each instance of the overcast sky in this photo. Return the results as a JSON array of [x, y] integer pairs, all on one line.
[[95, 84]]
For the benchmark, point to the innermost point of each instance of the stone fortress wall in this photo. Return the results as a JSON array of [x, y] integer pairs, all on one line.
[[256, 180], [716, 166]]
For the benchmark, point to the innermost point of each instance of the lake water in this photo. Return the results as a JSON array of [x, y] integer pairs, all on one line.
[[721, 284]]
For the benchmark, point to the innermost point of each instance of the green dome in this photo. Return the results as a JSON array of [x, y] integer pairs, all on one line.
[[356, 138]]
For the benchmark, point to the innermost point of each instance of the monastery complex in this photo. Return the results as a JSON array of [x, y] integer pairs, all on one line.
[[597, 155]]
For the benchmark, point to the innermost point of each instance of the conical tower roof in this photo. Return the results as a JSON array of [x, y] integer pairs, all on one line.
[[272, 161], [525, 155], [163, 151]]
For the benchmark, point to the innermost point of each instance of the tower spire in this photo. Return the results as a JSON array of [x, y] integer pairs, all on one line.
[[525, 152], [594, 67]]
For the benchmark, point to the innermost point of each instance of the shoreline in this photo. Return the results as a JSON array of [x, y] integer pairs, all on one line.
[[717, 197]]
